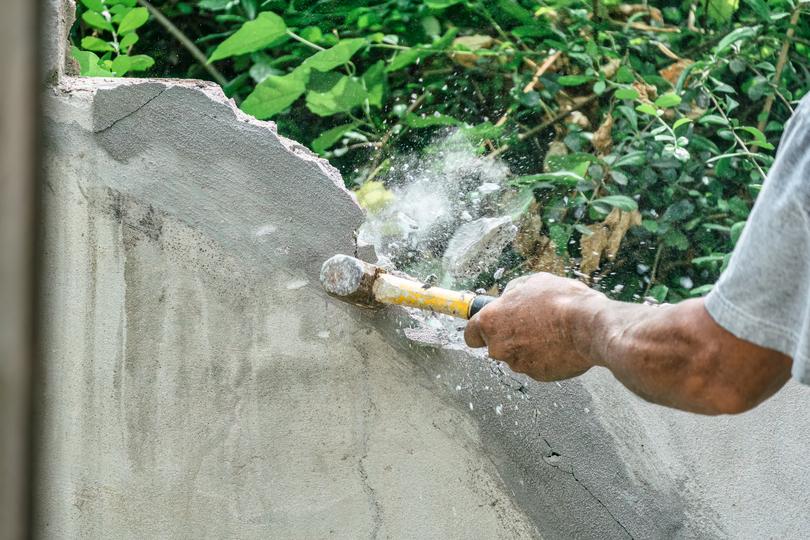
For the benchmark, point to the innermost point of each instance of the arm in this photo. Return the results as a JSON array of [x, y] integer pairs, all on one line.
[[676, 355]]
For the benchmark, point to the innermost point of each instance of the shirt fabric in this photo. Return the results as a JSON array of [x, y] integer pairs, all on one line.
[[764, 294]]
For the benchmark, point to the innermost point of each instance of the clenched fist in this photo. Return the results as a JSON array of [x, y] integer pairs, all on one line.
[[536, 326]]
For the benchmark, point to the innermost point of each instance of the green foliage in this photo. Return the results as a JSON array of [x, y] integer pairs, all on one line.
[[111, 31], [671, 124]]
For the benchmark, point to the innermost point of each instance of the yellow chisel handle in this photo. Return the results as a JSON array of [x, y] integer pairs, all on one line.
[[390, 289]]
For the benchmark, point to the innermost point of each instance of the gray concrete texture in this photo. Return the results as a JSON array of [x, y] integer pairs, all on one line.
[[198, 383]]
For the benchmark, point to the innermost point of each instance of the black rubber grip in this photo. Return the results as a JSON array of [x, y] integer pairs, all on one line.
[[478, 304]]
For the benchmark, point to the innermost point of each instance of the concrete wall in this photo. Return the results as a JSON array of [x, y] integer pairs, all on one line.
[[198, 383]]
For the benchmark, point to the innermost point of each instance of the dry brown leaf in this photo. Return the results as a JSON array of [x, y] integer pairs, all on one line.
[[611, 67], [548, 261], [528, 237], [472, 43], [606, 239], [579, 119], [602, 139], [619, 222], [646, 92], [591, 247], [695, 112], [673, 71], [667, 51]]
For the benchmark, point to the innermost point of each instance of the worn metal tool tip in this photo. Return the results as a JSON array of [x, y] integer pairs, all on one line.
[[350, 279]]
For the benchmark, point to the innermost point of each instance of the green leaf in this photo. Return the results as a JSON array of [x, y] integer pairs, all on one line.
[[274, 95], [622, 202], [678, 211], [93, 5], [760, 7], [680, 122], [659, 292], [216, 5], [708, 259], [675, 238], [479, 132], [560, 234], [374, 80], [722, 10], [703, 290], [140, 62], [734, 36], [632, 159], [128, 41], [329, 137], [625, 75], [335, 56], [347, 94], [97, 20], [573, 80], [736, 232], [415, 121], [121, 65], [668, 100], [646, 108], [252, 36], [92, 43], [626, 93], [563, 178], [133, 20], [406, 58], [713, 119], [759, 137], [441, 4], [88, 64], [516, 11]]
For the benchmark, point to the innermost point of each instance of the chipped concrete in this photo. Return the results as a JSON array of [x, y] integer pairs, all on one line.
[[188, 391], [198, 382]]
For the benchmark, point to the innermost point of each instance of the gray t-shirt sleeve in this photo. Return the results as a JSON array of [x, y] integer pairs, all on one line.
[[764, 294]]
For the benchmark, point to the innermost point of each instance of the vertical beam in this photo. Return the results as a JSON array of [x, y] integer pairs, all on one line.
[[18, 187]]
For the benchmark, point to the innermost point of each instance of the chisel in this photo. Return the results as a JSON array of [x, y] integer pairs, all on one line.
[[367, 285]]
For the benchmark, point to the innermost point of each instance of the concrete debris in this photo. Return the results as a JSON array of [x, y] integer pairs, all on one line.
[[477, 245]]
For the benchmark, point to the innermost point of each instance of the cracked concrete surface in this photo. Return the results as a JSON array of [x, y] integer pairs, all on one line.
[[198, 383]]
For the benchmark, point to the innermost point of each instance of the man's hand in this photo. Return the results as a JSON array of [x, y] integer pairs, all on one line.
[[676, 355], [531, 327]]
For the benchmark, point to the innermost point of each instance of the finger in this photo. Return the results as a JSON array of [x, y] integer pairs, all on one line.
[[517, 283], [472, 333]]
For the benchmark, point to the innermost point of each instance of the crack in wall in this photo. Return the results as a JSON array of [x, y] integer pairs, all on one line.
[[551, 455], [130, 113], [368, 489]]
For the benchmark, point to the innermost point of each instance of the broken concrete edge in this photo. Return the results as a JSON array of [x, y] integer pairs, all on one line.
[[60, 75], [68, 85]]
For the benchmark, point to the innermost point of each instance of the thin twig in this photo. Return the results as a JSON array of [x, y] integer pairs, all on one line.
[[737, 137], [548, 123], [780, 65], [656, 261], [304, 41], [540, 70], [185, 42]]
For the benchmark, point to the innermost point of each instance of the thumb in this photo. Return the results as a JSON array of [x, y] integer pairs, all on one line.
[[473, 335]]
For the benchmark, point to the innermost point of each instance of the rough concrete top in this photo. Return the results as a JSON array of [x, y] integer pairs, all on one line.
[[144, 125]]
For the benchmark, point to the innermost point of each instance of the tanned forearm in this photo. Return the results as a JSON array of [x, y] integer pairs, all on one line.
[[676, 355], [554, 328]]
